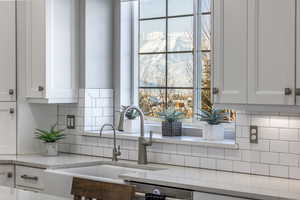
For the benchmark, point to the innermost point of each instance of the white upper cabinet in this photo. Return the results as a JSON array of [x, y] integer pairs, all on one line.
[[271, 52], [52, 51], [298, 56], [8, 128], [254, 52], [7, 51], [230, 51]]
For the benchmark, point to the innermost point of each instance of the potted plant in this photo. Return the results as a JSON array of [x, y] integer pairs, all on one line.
[[171, 125], [50, 138], [131, 123], [214, 118]]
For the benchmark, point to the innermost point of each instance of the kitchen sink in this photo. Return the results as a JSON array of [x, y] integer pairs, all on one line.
[[106, 171], [59, 181]]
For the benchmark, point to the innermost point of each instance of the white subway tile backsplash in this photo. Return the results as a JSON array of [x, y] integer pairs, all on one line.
[[294, 172], [279, 171], [216, 153], [177, 159], [263, 145], [233, 154], [243, 167], [169, 148], [243, 143], [279, 146], [208, 163], [276, 154], [262, 121], [190, 161], [225, 165], [199, 151], [294, 122], [294, 147], [251, 156], [260, 169], [269, 158], [270, 133], [289, 159], [289, 134], [184, 149], [279, 121]]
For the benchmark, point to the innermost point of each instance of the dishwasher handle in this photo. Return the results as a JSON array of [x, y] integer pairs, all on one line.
[[139, 195]]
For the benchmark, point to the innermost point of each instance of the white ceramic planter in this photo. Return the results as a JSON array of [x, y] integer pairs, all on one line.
[[213, 132], [52, 149], [131, 125]]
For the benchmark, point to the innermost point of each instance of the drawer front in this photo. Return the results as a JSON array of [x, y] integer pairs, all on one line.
[[207, 196], [7, 175], [30, 177]]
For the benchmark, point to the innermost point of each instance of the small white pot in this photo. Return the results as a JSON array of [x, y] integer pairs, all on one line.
[[213, 132], [131, 125], [52, 149]]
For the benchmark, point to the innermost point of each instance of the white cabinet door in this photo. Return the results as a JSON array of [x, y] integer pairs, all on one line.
[[35, 45], [271, 52], [7, 51], [7, 175], [207, 196], [8, 128], [230, 51], [298, 56]]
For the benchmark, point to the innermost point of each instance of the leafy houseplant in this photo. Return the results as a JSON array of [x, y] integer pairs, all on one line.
[[214, 118], [171, 125], [50, 138], [131, 124]]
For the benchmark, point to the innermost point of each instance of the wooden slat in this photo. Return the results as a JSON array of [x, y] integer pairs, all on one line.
[[101, 190]]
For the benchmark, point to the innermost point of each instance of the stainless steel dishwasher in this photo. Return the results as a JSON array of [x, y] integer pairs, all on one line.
[[170, 193]]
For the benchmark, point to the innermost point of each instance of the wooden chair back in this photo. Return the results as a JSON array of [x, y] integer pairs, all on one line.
[[96, 190]]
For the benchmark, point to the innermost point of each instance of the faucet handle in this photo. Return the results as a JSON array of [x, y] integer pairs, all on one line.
[[119, 150], [150, 139]]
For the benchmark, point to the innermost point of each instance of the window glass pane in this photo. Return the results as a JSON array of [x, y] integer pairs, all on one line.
[[206, 70], [153, 70], [206, 81], [153, 36], [182, 100], [152, 8], [152, 101], [180, 7], [205, 5], [180, 70], [205, 32], [180, 34]]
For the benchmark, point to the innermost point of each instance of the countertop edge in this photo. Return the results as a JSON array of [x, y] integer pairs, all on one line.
[[217, 191]]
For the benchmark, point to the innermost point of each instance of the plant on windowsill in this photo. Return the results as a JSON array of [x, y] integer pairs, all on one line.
[[214, 118], [131, 123], [50, 138], [171, 125]]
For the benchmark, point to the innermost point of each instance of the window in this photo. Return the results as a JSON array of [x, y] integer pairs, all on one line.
[[174, 56]]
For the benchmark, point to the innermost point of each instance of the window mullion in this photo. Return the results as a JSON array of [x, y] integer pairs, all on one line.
[[167, 40]]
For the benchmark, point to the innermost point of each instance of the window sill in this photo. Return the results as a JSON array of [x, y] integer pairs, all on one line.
[[158, 138]]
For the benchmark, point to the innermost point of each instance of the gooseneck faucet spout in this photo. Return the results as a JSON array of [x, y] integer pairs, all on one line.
[[143, 143], [116, 151]]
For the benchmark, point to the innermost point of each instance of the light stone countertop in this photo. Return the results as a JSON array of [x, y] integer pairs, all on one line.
[[224, 183], [16, 194], [210, 181], [46, 162]]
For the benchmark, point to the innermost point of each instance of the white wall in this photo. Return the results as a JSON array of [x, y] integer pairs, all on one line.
[[98, 37], [30, 116]]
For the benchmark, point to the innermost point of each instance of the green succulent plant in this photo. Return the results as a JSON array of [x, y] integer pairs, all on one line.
[[171, 115], [50, 136], [130, 114], [213, 117]]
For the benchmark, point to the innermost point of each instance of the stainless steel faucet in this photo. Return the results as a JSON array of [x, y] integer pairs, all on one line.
[[116, 151], [143, 143]]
